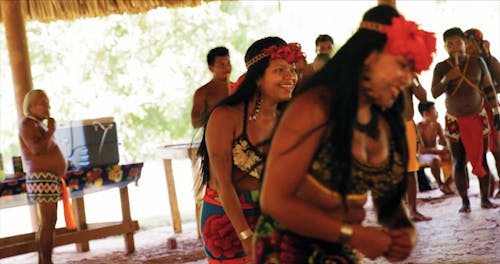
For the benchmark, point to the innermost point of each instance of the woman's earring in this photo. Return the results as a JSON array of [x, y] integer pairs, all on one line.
[[256, 110]]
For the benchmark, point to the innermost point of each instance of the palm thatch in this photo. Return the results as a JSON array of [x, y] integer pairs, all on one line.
[[51, 10]]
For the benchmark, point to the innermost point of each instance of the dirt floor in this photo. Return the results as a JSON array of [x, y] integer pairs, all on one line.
[[449, 237]]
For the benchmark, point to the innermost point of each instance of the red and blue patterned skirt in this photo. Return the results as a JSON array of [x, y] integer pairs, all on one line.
[[220, 241]]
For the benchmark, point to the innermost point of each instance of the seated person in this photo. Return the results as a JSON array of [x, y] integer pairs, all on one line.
[[430, 155]]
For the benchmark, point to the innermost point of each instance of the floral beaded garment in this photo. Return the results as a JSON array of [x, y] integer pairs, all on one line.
[[246, 156], [276, 244], [380, 179]]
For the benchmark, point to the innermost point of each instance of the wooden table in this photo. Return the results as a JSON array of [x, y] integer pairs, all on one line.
[[168, 153], [81, 182]]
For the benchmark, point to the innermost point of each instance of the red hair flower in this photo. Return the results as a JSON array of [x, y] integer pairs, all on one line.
[[290, 53], [406, 39]]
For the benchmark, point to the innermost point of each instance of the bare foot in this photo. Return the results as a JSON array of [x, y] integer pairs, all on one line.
[[445, 189], [418, 217], [486, 204], [465, 208]]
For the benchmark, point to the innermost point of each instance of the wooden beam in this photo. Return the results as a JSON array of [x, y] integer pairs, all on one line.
[[20, 244], [15, 34], [387, 2]]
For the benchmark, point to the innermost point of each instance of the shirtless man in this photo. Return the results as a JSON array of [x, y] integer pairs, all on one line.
[[324, 52], [46, 165], [430, 131], [475, 45], [411, 135], [465, 79], [207, 96], [324, 45]]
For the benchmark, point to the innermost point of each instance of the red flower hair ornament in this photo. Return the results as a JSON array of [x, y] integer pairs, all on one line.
[[406, 39], [290, 53]]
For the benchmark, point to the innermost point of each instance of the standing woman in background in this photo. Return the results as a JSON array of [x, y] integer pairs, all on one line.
[[234, 148], [340, 138], [46, 167]]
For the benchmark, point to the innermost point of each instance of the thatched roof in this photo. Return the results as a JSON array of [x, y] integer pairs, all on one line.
[[50, 10]]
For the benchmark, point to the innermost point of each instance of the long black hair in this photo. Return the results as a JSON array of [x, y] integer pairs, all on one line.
[[342, 75], [244, 93]]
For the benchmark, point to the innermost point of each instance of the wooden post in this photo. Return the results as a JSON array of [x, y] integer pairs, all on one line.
[[15, 34], [127, 219], [387, 2], [81, 222], [198, 197], [172, 196]]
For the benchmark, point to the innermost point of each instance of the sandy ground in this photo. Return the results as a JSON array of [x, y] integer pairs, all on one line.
[[449, 237]]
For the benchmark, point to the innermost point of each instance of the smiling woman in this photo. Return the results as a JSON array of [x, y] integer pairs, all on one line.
[[341, 138], [234, 148]]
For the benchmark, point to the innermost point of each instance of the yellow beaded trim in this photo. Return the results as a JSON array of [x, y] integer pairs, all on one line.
[[255, 59], [371, 26]]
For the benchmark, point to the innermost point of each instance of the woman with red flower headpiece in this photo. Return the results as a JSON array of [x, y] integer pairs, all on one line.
[[234, 148], [342, 137]]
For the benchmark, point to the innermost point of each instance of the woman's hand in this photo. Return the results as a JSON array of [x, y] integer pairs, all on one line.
[[248, 248], [403, 242], [371, 241]]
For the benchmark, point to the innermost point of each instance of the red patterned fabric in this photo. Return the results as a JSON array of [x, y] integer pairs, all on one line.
[[221, 243], [471, 130]]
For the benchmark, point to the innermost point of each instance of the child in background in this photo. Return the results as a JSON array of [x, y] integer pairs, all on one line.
[[431, 132]]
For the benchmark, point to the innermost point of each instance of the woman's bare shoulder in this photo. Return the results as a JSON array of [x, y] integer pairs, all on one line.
[[308, 111], [312, 102], [226, 117]]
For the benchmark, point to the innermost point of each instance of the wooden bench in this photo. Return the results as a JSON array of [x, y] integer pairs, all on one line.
[[81, 182]]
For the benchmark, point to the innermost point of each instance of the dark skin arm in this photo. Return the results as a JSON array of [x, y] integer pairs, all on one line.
[[489, 92], [38, 143], [419, 91], [441, 137], [401, 230], [199, 109], [494, 68], [442, 76]]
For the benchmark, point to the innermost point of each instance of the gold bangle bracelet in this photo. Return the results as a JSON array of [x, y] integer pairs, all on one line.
[[346, 232], [245, 234]]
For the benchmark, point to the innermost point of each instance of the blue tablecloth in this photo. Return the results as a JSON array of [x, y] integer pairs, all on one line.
[[81, 181]]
